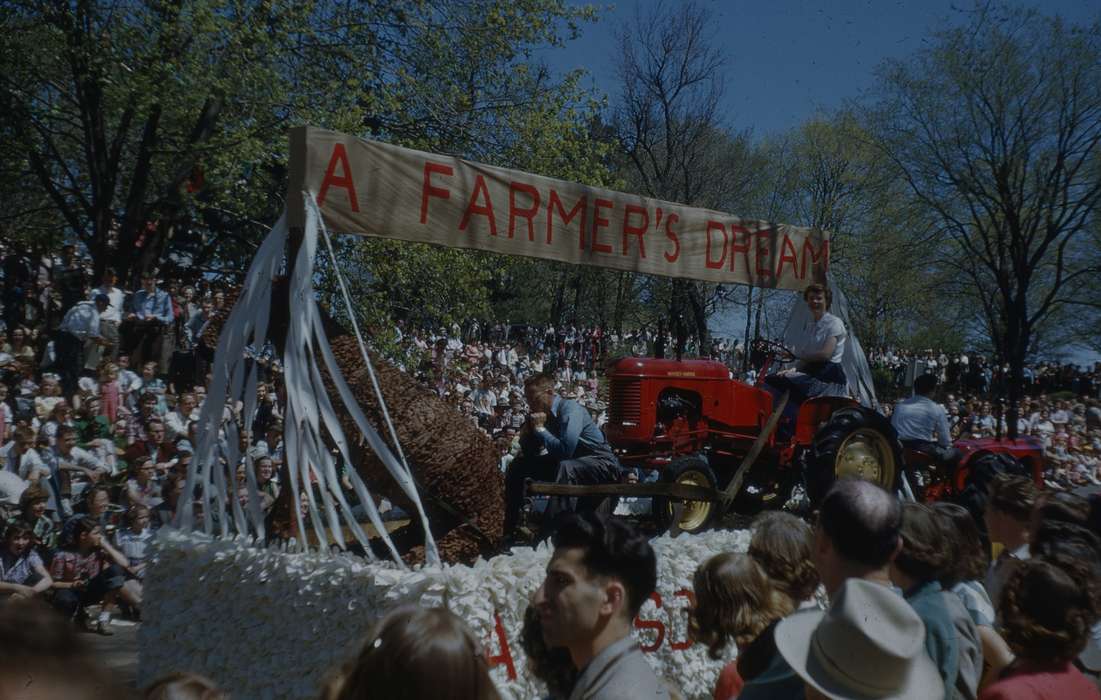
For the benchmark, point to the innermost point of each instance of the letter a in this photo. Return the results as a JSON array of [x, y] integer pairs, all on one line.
[[345, 181]]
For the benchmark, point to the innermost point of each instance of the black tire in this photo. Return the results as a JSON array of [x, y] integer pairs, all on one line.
[[856, 441], [982, 470], [697, 515]]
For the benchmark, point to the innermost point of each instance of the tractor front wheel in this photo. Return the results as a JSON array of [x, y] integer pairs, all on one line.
[[695, 516]]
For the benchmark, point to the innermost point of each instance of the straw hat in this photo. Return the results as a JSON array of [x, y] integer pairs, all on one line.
[[869, 644]]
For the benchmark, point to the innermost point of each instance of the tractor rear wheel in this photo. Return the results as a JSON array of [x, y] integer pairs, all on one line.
[[979, 473], [855, 442], [695, 516]]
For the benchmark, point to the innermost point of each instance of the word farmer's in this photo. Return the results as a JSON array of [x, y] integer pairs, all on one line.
[[375, 189]]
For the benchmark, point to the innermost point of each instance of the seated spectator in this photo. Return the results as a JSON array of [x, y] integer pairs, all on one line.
[[265, 482], [86, 571], [133, 543], [21, 458], [171, 490], [154, 447], [551, 665], [142, 488], [1058, 506], [22, 573], [33, 514], [868, 644], [1008, 517], [597, 579], [1047, 609], [736, 602], [47, 396], [782, 544], [177, 420], [951, 638], [418, 654], [68, 462]]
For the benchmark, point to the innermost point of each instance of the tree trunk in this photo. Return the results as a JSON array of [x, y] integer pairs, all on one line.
[[748, 319]]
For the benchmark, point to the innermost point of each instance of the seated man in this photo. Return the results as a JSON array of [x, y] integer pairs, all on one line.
[[560, 443], [922, 424]]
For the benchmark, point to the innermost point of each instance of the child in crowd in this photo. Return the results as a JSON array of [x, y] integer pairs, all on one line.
[[736, 602]]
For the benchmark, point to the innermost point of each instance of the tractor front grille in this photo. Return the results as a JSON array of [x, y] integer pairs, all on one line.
[[626, 405]]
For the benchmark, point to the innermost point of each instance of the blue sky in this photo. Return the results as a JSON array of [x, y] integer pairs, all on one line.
[[789, 58]]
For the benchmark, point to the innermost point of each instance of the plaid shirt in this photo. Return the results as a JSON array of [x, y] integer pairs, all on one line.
[[71, 566]]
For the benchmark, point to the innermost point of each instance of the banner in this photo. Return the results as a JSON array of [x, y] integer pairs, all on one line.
[[376, 189]]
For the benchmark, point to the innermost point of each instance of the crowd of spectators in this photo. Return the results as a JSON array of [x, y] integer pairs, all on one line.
[[101, 389], [877, 599]]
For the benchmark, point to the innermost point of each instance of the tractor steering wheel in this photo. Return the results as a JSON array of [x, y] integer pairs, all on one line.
[[777, 351]]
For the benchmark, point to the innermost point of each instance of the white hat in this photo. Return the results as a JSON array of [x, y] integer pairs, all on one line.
[[869, 644]]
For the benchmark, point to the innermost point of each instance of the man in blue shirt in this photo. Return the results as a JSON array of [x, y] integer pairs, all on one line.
[[144, 327], [922, 424], [560, 443]]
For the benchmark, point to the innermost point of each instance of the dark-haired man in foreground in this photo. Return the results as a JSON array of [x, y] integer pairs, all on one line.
[[857, 535], [599, 576]]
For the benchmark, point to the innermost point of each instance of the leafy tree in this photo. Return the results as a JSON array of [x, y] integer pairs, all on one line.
[[996, 128]]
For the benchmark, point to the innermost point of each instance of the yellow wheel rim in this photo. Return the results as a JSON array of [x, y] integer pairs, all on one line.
[[695, 513], [866, 454]]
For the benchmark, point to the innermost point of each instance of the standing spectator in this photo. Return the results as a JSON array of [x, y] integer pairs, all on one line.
[[1008, 517], [129, 383], [597, 579], [144, 327], [110, 394], [783, 545], [869, 644], [737, 602], [951, 638], [857, 535], [967, 565], [69, 278], [79, 326], [109, 319], [1047, 609], [417, 654]]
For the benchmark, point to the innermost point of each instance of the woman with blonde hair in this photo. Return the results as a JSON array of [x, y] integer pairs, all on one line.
[[736, 602], [415, 653]]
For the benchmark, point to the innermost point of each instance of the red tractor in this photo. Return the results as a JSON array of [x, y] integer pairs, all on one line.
[[707, 434]]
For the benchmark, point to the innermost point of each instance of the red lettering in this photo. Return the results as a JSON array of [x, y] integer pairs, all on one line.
[[600, 222], [340, 156], [427, 190], [763, 254], [793, 258], [555, 203], [528, 213], [486, 210], [823, 257], [715, 264], [640, 230], [736, 247], [505, 657], [659, 628], [688, 641], [672, 235]]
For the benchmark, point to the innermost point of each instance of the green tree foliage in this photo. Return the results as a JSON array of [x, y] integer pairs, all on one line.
[[996, 128], [155, 130]]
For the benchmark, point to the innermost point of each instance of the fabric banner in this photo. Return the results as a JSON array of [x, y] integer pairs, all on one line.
[[376, 189]]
